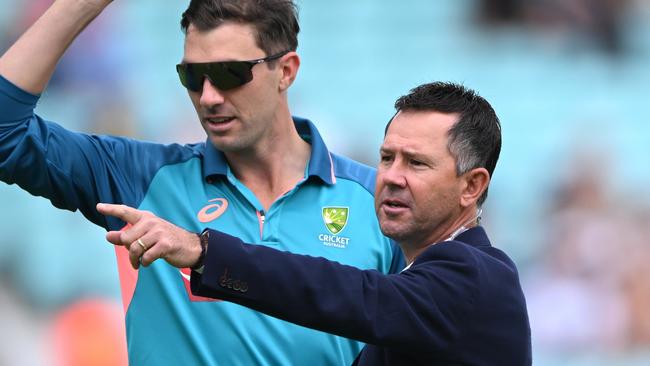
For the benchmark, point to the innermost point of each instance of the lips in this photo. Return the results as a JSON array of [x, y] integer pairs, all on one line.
[[218, 124], [394, 206], [218, 120], [394, 202]]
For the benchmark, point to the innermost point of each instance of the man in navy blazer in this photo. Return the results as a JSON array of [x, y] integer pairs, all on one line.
[[458, 301]]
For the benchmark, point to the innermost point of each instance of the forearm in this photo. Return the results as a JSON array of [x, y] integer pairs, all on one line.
[[396, 310], [283, 286], [30, 62]]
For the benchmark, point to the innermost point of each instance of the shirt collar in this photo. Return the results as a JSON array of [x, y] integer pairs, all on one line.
[[320, 161]]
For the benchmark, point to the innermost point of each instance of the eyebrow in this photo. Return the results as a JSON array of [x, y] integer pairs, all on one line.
[[409, 153]]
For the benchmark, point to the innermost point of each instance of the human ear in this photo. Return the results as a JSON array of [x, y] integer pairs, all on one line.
[[289, 65], [475, 182]]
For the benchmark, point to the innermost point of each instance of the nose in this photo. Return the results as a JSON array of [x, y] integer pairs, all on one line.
[[210, 95], [392, 175]]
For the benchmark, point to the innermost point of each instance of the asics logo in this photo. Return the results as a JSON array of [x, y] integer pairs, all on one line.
[[213, 211]]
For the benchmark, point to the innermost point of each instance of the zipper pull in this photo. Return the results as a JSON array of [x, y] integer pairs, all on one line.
[[261, 218]]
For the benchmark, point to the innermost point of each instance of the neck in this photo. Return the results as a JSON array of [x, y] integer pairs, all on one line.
[[275, 165], [467, 220], [468, 224]]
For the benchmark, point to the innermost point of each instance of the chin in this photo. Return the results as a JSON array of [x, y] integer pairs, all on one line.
[[393, 231], [226, 145]]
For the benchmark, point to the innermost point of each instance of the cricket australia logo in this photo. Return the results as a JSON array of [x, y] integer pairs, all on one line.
[[335, 219]]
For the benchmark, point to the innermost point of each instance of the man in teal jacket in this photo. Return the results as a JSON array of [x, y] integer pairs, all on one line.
[[261, 175]]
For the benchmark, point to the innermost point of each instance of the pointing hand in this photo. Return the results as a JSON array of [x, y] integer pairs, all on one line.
[[148, 237]]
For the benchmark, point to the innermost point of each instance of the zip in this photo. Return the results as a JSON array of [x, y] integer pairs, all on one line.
[[260, 218]]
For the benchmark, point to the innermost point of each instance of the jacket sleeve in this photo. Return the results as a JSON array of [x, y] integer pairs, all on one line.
[[72, 170], [415, 309]]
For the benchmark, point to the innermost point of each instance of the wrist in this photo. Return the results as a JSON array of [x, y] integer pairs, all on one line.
[[203, 241]]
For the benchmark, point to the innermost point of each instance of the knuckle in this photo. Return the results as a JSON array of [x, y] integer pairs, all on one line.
[[162, 246]]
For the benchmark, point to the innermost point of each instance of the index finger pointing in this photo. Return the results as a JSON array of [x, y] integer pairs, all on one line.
[[122, 212]]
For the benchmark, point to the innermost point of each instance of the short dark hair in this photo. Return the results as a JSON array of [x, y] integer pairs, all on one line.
[[475, 139], [275, 21]]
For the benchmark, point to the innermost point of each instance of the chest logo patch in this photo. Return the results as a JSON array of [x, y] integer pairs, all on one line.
[[335, 218], [212, 211]]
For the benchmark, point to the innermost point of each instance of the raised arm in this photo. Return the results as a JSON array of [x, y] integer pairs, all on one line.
[[30, 62], [73, 170]]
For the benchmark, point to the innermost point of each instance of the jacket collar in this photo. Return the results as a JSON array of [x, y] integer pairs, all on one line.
[[320, 161], [475, 236]]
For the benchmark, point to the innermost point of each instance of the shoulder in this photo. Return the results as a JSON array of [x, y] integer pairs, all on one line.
[[486, 272], [480, 257], [166, 154], [480, 263], [354, 171], [481, 273], [455, 259]]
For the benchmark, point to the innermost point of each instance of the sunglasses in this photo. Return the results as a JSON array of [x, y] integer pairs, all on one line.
[[223, 75]]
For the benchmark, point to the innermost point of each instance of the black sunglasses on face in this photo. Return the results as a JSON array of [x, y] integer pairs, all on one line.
[[223, 75]]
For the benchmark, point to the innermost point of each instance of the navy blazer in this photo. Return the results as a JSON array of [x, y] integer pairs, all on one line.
[[460, 302]]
